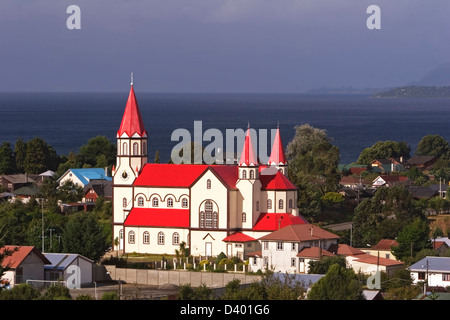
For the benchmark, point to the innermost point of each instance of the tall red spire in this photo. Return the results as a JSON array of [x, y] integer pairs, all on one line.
[[247, 155], [277, 155], [132, 120]]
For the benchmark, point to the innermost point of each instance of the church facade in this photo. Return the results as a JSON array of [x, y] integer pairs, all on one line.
[[212, 208]]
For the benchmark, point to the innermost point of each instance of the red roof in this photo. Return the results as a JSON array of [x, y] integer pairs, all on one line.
[[367, 258], [313, 252], [277, 181], [18, 256], [247, 155], [300, 232], [385, 244], [227, 174], [275, 221], [238, 237], [132, 120], [157, 217], [277, 155]]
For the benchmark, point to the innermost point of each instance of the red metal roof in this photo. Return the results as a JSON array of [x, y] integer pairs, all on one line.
[[247, 155], [238, 237], [132, 120], [277, 155], [275, 221], [277, 181], [157, 217]]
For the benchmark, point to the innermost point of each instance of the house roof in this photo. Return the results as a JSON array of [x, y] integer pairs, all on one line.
[[314, 252], [385, 244], [87, 174], [419, 160], [158, 217], [132, 120], [277, 181], [275, 221], [369, 259], [61, 261], [248, 156], [19, 254], [344, 250], [300, 232], [277, 155], [435, 264], [101, 187], [238, 237]]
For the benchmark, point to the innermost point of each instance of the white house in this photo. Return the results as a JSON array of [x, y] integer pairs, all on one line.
[[61, 267], [212, 208], [81, 177], [434, 271]]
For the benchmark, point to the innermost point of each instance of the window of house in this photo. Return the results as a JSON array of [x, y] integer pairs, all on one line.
[[161, 238], [146, 237], [280, 204], [279, 245], [208, 184], [124, 202], [269, 204], [266, 261], [257, 205], [155, 202], [446, 277], [184, 203], [292, 262], [293, 246], [290, 203], [244, 217], [254, 261], [140, 201], [170, 202], [131, 237], [121, 234], [266, 245], [176, 238], [421, 275]]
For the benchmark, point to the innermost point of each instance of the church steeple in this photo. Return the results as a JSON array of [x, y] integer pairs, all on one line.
[[277, 155], [248, 163]]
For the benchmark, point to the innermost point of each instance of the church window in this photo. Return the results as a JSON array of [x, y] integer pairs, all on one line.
[[144, 148], [257, 205], [176, 238], [131, 237], [161, 238], [146, 237], [208, 184], [208, 218], [244, 217], [290, 203], [155, 202], [244, 174], [252, 174], [280, 204], [202, 219], [121, 234], [184, 203], [125, 148], [135, 149], [124, 202], [140, 201], [269, 203], [170, 202]]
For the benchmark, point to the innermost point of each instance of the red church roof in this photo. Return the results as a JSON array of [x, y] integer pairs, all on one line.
[[238, 237], [277, 181], [277, 155], [132, 120], [275, 221], [158, 217], [247, 155]]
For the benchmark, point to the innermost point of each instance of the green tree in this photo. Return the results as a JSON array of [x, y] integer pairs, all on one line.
[[321, 266], [411, 239], [384, 150], [57, 292], [98, 152], [339, 283], [20, 152], [85, 235], [7, 161], [157, 157], [20, 291], [69, 192], [39, 157], [433, 145]]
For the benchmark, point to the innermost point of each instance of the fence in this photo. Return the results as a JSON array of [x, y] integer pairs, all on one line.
[[177, 277]]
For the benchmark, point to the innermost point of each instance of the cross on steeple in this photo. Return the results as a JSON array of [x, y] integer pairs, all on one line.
[[132, 78]]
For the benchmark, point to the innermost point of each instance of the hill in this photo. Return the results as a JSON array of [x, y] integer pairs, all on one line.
[[416, 92]]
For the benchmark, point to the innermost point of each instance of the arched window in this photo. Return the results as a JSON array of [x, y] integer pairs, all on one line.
[[244, 217], [140, 201], [290, 203], [280, 204], [257, 205], [208, 184], [135, 149], [252, 174], [155, 202], [124, 202], [131, 237], [184, 203], [269, 203], [244, 174], [146, 237], [125, 149], [161, 238], [170, 202], [208, 218], [176, 238], [144, 148]]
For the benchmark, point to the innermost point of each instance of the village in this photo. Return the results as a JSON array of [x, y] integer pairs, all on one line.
[[246, 213]]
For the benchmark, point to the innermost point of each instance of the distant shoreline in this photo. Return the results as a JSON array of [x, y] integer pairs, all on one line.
[[415, 92]]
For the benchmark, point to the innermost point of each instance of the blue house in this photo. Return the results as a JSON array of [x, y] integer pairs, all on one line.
[[82, 177]]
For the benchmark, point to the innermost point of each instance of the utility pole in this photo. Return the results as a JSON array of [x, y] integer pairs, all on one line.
[[42, 213]]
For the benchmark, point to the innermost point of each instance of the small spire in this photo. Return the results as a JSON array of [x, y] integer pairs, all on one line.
[[132, 78]]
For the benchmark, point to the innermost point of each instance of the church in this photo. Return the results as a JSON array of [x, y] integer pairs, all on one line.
[[211, 208]]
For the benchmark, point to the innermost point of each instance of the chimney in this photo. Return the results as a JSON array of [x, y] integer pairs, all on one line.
[[312, 228]]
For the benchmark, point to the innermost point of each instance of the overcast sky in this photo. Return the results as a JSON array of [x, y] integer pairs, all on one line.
[[219, 45]]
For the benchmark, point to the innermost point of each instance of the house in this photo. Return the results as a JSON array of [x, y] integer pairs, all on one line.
[[12, 182], [391, 181], [354, 182], [421, 162], [82, 177], [25, 263], [425, 192], [212, 208], [26, 193], [60, 267], [289, 249], [387, 166], [383, 249], [98, 188], [434, 271]]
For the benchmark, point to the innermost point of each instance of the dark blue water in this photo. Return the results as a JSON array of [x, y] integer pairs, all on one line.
[[67, 120]]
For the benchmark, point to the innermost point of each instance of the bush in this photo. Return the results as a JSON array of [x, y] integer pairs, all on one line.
[[110, 296], [57, 292], [20, 292]]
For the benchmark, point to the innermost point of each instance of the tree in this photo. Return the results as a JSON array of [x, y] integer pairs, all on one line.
[[7, 161], [433, 145], [339, 283], [39, 157], [83, 234], [323, 265], [313, 166], [20, 152], [411, 239], [98, 152], [384, 150], [157, 157]]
